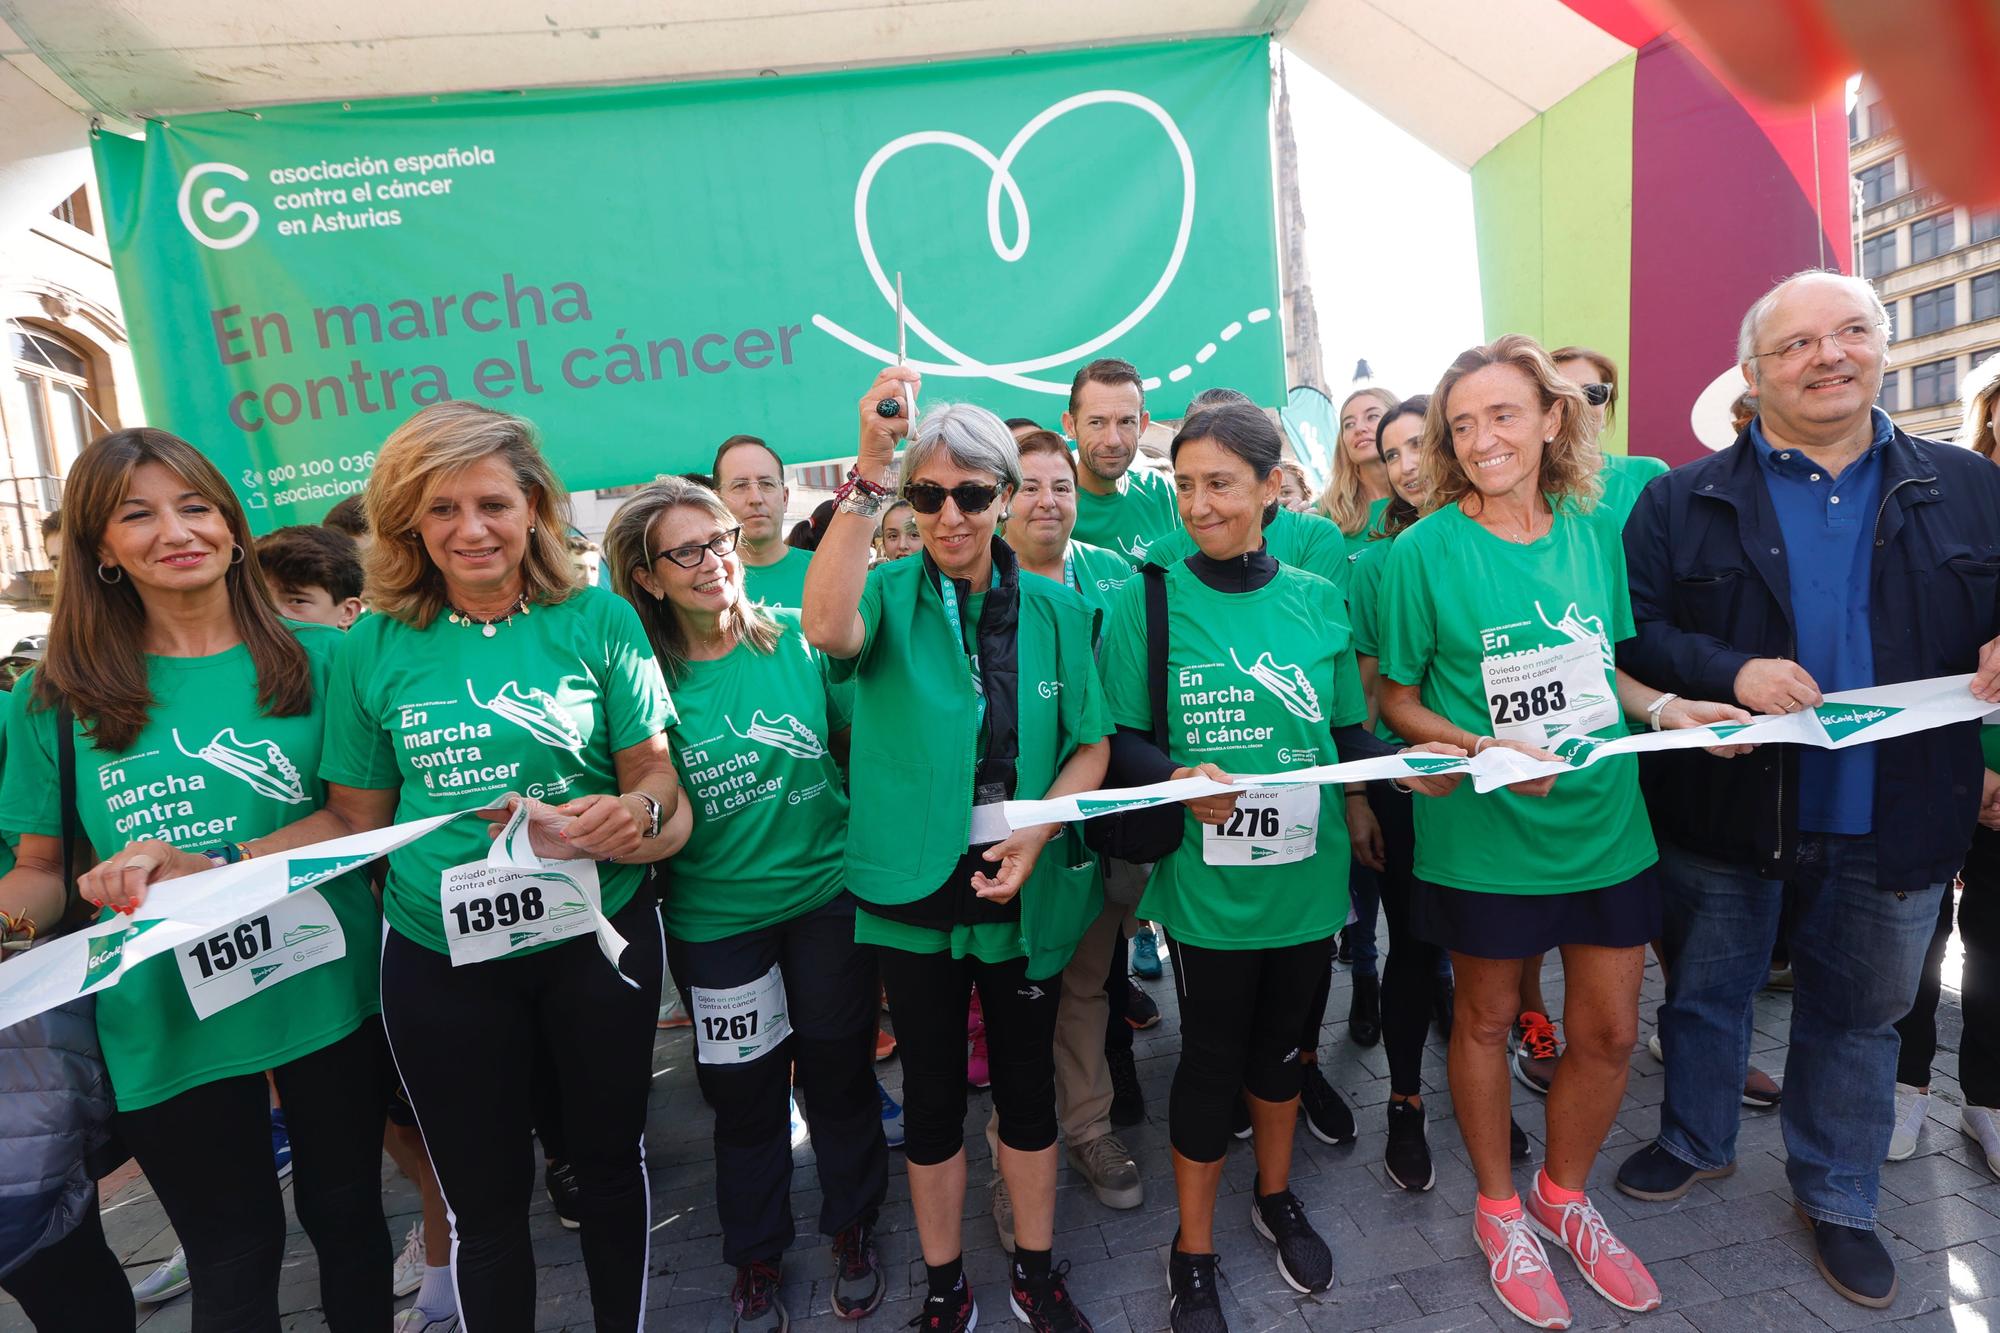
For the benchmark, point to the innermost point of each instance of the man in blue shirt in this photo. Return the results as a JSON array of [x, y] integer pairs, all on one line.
[[1826, 550]]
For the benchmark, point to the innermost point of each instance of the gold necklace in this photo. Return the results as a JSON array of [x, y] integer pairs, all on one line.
[[488, 627]]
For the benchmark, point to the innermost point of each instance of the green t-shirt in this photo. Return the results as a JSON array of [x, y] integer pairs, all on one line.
[[781, 583], [1376, 508], [1989, 746], [1311, 542], [1623, 477], [1256, 683], [1364, 608], [452, 720], [1457, 603], [208, 769], [770, 807], [1097, 574], [914, 751], [16, 698], [1132, 518]]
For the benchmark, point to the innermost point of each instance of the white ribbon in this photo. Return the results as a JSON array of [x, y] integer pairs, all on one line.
[[1842, 721]]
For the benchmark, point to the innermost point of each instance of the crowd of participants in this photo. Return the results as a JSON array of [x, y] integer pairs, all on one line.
[[785, 763]]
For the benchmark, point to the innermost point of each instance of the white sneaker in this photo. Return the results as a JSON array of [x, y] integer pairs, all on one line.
[[164, 1283], [409, 1271], [414, 1320], [1911, 1106], [1654, 1048], [1982, 1125]]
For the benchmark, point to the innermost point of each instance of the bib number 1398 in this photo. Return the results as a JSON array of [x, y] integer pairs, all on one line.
[[502, 911]]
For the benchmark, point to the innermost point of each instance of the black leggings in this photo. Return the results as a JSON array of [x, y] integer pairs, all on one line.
[[829, 998], [1239, 1033], [1918, 1028], [1413, 963], [464, 1045], [74, 1283], [1979, 937], [207, 1154], [929, 994]]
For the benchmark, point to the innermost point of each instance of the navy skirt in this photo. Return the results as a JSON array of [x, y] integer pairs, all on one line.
[[1521, 925]]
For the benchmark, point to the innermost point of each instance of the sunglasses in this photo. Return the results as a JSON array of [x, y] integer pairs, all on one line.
[[1597, 395], [971, 497], [689, 557]]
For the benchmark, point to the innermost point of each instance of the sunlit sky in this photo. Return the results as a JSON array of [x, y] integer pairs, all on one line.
[[1388, 239]]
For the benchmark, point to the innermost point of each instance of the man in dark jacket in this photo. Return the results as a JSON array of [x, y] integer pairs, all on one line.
[[1826, 550]]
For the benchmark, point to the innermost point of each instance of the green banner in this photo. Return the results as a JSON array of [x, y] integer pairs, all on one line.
[[644, 271]]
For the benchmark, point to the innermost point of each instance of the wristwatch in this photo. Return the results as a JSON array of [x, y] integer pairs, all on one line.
[[653, 813]]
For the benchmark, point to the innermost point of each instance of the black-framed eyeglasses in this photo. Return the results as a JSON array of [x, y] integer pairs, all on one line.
[[689, 557], [971, 497]]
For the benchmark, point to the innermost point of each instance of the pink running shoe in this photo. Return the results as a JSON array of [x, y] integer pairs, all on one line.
[[1603, 1260], [1519, 1268]]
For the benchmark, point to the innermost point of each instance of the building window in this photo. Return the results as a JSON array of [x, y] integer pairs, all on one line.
[[1930, 237], [1933, 310], [1891, 382], [1934, 383], [1986, 296], [48, 395], [1878, 254], [74, 210], [1985, 226], [1878, 183]]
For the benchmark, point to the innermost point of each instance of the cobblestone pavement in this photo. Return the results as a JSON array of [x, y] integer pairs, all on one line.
[[1731, 1255]]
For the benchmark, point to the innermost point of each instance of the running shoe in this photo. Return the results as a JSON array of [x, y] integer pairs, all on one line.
[[1045, 1306], [1194, 1303], [559, 1179], [1343, 952], [1780, 978], [1518, 1268], [1128, 1099], [1536, 1052], [416, 1319], [755, 1298], [672, 1016], [1981, 1124], [408, 1274], [1304, 1261], [1613, 1271], [885, 1044], [892, 1117], [1760, 1090], [1146, 954], [1911, 1108], [1140, 1010], [1654, 1049], [1408, 1156], [954, 1313], [857, 1273], [281, 1143], [1106, 1165], [164, 1283], [1327, 1114]]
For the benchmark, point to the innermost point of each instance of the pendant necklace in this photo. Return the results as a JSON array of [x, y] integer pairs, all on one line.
[[488, 627]]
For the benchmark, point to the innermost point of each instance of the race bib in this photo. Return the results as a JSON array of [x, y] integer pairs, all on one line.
[[490, 912], [295, 934], [737, 1025], [1541, 695], [1270, 826]]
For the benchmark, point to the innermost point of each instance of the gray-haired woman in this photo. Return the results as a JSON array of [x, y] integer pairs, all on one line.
[[973, 685]]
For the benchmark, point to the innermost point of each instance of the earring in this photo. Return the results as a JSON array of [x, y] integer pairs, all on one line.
[[116, 570], [531, 529], [237, 557], [1550, 440]]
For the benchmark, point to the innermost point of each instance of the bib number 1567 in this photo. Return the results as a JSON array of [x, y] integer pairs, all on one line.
[[219, 953]]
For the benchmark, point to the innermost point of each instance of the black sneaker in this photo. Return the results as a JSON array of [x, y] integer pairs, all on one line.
[[1657, 1176], [1444, 1001], [559, 1179], [1128, 1102], [1408, 1156], [1364, 1016], [1344, 951], [1045, 1307], [953, 1313], [1517, 1140], [857, 1273], [1195, 1304], [1327, 1116], [1141, 1011], [1854, 1262], [1239, 1118], [755, 1296], [1304, 1261]]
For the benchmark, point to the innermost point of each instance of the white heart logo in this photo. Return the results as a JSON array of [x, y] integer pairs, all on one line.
[[958, 363]]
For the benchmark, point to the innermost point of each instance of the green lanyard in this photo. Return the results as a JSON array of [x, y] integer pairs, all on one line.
[[948, 594]]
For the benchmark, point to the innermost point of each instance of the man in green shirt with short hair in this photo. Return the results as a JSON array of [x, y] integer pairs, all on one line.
[[750, 478], [1118, 507]]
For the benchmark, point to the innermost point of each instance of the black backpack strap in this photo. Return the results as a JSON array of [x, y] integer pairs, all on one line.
[[1156, 650]]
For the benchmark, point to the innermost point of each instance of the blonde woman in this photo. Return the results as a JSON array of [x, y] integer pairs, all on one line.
[[1358, 491]]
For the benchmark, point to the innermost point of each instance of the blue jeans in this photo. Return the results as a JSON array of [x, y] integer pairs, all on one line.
[[1365, 893], [1857, 953]]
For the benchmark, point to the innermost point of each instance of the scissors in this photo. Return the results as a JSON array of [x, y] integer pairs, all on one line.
[[893, 407]]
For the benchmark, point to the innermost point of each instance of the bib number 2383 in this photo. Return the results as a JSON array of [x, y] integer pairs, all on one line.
[[1269, 826], [247, 957], [1541, 695], [735, 1025], [491, 913]]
